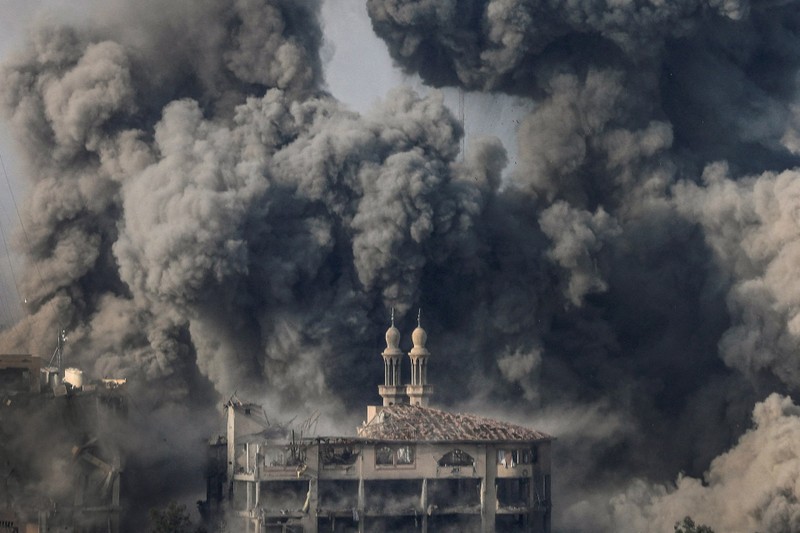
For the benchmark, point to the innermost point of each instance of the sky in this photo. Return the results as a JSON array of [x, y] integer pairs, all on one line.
[[612, 258]]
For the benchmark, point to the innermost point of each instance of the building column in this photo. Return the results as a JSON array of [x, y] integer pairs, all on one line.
[[231, 435], [309, 521], [423, 502], [362, 499], [489, 492]]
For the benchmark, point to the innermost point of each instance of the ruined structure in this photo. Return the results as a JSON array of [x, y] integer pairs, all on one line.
[[410, 467], [58, 471]]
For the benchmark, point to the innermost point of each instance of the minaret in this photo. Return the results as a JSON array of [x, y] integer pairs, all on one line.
[[419, 392], [392, 391]]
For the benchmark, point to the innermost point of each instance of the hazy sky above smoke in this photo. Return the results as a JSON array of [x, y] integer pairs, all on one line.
[[238, 209]]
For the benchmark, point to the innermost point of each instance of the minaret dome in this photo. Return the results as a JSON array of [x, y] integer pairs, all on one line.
[[419, 337], [392, 341]]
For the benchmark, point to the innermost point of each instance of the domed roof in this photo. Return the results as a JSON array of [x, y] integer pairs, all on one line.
[[419, 337], [392, 337], [392, 340]]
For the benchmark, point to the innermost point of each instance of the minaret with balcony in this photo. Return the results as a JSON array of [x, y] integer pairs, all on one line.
[[419, 392], [392, 391]]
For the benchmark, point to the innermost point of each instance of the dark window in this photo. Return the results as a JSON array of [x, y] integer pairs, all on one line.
[[546, 487], [404, 455], [514, 492], [525, 456], [510, 458], [338, 454], [506, 458], [291, 455], [394, 455], [384, 455], [457, 458]]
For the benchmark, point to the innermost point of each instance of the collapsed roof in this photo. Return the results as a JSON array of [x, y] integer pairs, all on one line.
[[403, 422]]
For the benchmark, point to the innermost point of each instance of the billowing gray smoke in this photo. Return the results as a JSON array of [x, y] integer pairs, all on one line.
[[658, 162], [203, 215]]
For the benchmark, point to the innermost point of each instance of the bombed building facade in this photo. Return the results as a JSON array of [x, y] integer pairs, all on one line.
[[410, 467], [60, 467]]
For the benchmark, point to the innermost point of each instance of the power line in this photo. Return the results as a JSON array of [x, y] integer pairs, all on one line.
[[7, 318], [19, 218], [10, 262], [9, 311]]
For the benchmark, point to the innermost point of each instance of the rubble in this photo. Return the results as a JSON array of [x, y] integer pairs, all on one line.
[[61, 467], [413, 422]]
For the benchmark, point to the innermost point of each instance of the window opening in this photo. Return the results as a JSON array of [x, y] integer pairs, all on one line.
[[397, 455], [457, 457]]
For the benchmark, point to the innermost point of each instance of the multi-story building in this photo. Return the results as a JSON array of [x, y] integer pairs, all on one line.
[[410, 467], [58, 471]]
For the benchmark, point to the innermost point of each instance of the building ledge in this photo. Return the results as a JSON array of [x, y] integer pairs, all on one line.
[[244, 476], [408, 511], [458, 509], [514, 509], [101, 509]]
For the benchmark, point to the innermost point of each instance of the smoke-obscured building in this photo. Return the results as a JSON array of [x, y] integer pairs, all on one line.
[[410, 467], [57, 470]]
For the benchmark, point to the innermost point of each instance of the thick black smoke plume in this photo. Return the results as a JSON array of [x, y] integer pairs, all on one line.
[[658, 162], [202, 214]]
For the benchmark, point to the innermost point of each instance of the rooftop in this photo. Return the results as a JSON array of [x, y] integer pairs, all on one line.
[[416, 423]]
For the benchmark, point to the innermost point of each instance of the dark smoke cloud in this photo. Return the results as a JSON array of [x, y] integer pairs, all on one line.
[[205, 219], [491, 44], [658, 162], [205, 215]]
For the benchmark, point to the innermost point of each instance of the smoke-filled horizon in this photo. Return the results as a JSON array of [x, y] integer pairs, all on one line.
[[206, 218]]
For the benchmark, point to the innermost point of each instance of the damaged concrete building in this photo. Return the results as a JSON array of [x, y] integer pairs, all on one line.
[[57, 470], [410, 467]]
